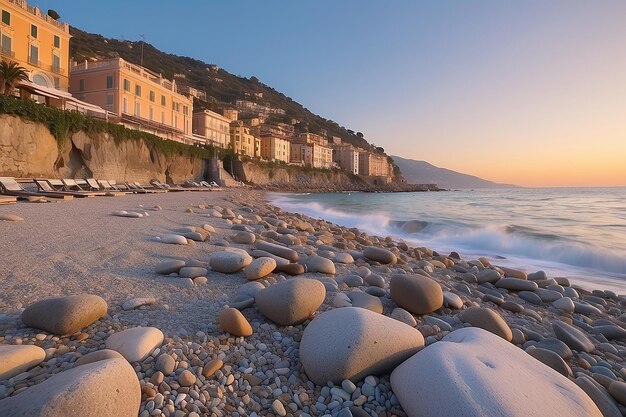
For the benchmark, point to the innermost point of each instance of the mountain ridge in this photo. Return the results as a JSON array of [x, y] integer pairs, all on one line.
[[422, 172]]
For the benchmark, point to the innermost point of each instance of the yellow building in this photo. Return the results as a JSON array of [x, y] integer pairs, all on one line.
[[371, 164], [212, 126], [275, 148], [346, 156], [36, 42], [241, 141], [311, 150], [142, 99]]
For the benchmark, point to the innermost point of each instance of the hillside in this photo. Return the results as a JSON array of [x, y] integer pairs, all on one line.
[[221, 87], [421, 172]]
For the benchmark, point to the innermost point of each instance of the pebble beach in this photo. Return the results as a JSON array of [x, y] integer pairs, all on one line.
[[219, 304]]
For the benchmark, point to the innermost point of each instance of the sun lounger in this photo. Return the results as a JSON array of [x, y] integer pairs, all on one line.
[[151, 190], [9, 186], [106, 185], [94, 185], [167, 187], [47, 187], [72, 185]]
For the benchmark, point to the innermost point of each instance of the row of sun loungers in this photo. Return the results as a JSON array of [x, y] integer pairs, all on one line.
[[68, 189]]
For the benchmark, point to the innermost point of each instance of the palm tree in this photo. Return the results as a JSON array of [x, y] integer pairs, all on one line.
[[10, 75]]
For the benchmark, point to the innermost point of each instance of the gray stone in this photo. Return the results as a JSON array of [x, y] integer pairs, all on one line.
[[572, 337], [516, 284], [551, 359], [229, 262], [320, 264], [382, 255], [363, 300], [166, 268], [136, 343], [192, 272], [599, 395], [15, 359], [452, 300], [260, 268], [292, 301], [64, 315], [487, 319], [279, 250], [165, 363], [487, 275], [531, 297]]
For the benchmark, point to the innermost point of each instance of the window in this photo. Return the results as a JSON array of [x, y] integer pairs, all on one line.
[[126, 85], [34, 55], [175, 121], [109, 81], [6, 44], [152, 96], [163, 101], [151, 113], [110, 99], [33, 31], [57, 82], [81, 85], [6, 18], [56, 63], [57, 41], [138, 90], [137, 109], [125, 105], [163, 116]]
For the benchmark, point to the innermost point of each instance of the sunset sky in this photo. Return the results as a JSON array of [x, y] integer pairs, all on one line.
[[526, 92]]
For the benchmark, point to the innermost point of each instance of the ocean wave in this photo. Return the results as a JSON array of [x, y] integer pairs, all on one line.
[[491, 240]]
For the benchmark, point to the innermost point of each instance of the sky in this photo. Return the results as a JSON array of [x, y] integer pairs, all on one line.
[[528, 92]]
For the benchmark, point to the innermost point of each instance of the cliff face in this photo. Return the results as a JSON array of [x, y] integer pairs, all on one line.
[[28, 149]]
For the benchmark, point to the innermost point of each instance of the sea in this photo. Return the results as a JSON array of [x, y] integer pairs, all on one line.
[[577, 233]]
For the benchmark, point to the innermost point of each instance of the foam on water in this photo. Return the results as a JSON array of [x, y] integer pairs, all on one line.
[[529, 248]]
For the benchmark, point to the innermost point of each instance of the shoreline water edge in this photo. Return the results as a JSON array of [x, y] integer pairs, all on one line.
[[225, 304]]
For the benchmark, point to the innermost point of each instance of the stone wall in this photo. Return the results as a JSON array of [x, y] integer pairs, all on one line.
[[28, 149]]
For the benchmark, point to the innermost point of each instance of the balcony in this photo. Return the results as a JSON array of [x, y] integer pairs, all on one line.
[[7, 52], [35, 11], [34, 61]]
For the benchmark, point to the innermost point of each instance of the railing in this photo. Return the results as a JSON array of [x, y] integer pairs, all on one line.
[[35, 11], [7, 52]]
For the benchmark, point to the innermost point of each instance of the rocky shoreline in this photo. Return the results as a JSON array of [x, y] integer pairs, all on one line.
[[286, 315], [394, 187]]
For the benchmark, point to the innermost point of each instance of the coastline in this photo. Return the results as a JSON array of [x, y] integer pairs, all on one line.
[[79, 247]]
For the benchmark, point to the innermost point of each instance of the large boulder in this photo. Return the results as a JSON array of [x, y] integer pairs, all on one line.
[[292, 301], [15, 359], [473, 373], [107, 388], [416, 293], [64, 315], [382, 255], [352, 343], [136, 343], [229, 262], [487, 319]]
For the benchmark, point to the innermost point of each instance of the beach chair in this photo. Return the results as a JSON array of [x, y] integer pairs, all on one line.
[[93, 184], [151, 190], [168, 187], [72, 185], [8, 186], [47, 187], [105, 185]]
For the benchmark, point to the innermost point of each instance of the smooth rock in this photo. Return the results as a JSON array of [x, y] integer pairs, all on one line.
[[290, 269], [375, 280], [186, 378], [514, 273], [531, 297], [572, 337], [610, 331], [98, 355], [600, 396], [15, 359], [320, 264], [192, 272], [10, 218], [516, 284], [174, 239], [279, 250], [136, 343], [618, 390], [487, 275], [107, 388], [551, 359], [212, 366], [564, 304], [165, 363], [232, 321], [245, 238], [367, 301], [134, 303], [472, 373], [403, 316], [416, 293], [351, 343], [260, 268], [452, 300], [353, 281], [229, 262], [382, 255], [487, 319], [64, 315], [166, 268], [292, 301]]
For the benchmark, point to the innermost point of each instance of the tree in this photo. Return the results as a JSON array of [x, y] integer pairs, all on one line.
[[53, 14], [359, 134], [10, 76]]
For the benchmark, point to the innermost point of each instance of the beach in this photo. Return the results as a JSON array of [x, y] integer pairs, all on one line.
[[404, 301]]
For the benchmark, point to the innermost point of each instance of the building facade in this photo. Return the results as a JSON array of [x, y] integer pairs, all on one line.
[[242, 141], [36, 42], [371, 164], [231, 114], [311, 150], [142, 99], [275, 148], [347, 157], [214, 127]]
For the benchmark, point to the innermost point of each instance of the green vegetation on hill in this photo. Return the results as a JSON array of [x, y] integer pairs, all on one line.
[[221, 87]]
